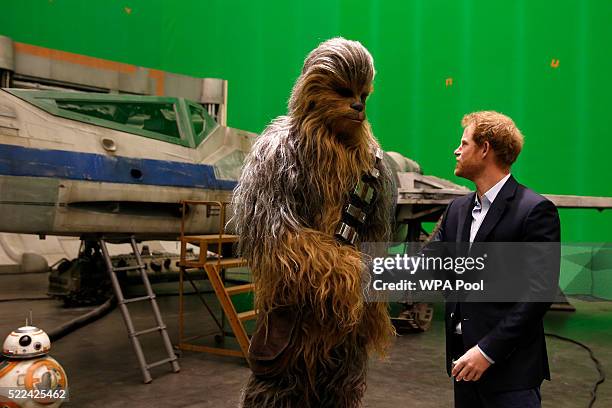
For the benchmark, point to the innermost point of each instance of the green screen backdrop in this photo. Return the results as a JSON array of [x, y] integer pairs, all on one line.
[[547, 64]]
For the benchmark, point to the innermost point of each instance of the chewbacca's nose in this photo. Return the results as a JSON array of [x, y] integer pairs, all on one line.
[[358, 106]]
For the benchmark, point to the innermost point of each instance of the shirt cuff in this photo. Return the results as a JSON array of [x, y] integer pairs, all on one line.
[[489, 359]]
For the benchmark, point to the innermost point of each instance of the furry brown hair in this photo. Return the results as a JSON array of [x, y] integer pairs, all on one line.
[[287, 204], [499, 130]]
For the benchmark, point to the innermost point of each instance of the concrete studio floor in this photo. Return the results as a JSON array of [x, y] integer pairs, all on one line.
[[102, 368]]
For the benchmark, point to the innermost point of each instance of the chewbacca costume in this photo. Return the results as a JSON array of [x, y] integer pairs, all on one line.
[[291, 208]]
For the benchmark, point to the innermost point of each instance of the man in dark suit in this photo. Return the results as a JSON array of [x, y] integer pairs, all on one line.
[[496, 351]]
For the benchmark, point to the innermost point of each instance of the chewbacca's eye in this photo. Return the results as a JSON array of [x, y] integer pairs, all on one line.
[[364, 96], [345, 92]]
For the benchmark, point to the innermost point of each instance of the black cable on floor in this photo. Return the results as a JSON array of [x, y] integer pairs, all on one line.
[[26, 299], [93, 315], [80, 321], [89, 317], [598, 366]]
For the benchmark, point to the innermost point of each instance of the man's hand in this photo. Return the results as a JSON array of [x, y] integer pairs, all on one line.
[[470, 366]]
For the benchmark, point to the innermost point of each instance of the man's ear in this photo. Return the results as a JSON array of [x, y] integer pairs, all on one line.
[[486, 149]]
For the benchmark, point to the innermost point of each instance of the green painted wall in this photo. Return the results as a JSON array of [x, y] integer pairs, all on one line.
[[498, 54]]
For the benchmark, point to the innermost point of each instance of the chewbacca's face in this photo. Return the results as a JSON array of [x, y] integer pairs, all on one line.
[[344, 107], [333, 88]]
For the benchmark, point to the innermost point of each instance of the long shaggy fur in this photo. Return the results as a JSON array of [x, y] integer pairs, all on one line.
[[287, 205]]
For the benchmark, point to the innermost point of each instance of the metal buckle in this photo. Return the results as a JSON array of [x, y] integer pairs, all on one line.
[[347, 233], [364, 192], [356, 213]]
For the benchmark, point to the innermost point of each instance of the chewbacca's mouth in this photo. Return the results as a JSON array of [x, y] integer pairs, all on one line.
[[357, 118]]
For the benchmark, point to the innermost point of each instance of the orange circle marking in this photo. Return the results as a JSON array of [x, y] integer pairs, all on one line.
[[51, 365]]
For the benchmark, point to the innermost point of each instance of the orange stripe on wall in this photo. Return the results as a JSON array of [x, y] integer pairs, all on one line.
[[74, 58], [158, 76]]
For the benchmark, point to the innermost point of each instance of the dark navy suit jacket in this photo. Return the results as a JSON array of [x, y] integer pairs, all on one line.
[[510, 333]]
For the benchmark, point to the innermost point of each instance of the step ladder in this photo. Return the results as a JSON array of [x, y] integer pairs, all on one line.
[[127, 318], [214, 270]]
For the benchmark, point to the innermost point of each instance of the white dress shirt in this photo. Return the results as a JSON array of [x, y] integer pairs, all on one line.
[[482, 206], [478, 215]]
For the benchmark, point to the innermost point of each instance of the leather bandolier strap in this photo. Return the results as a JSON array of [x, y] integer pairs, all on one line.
[[360, 204]]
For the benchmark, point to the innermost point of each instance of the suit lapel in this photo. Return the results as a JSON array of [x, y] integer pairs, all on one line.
[[464, 220], [497, 209]]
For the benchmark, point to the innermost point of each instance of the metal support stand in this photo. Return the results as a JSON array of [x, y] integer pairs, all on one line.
[[214, 269]]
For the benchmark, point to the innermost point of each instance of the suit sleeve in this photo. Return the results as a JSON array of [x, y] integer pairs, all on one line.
[[543, 262], [438, 246], [441, 234]]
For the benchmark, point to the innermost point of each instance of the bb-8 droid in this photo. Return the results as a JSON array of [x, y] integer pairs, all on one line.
[[29, 378]]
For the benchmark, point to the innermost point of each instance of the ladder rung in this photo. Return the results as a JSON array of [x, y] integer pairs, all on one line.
[[138, 299], [133, 335], [146, 331], [211, 238], [160, 362], [128, 268], [248, 315], [227, 262], [234, 290]]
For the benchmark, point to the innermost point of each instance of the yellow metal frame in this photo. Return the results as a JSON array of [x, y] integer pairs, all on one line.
[[213, 270]]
